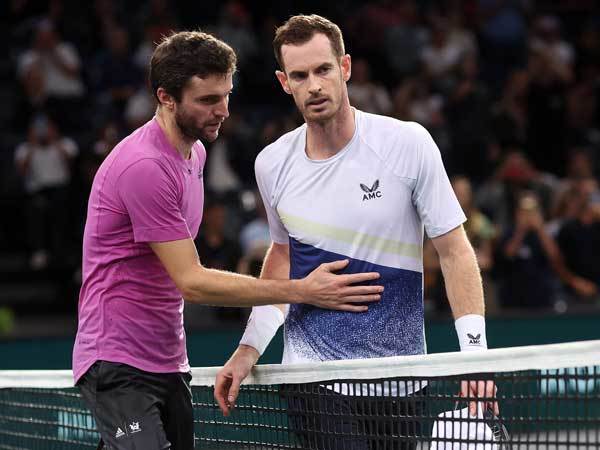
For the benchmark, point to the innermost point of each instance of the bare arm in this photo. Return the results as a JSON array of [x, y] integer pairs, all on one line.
[[215, 287], [582, 286], [461, 273], [513, 245], [465, 293], [276, 266], [69, 68]]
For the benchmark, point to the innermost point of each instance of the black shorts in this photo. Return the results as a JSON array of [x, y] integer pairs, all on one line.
[[325, 420], [139, 410]]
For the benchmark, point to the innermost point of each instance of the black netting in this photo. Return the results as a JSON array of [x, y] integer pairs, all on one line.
[[539, 409]]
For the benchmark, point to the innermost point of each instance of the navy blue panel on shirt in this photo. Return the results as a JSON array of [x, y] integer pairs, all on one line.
[[392, 326]]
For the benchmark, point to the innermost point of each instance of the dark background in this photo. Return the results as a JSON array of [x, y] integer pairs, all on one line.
[[508, 89]]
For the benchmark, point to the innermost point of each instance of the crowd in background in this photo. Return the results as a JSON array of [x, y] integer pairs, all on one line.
[[508, 89]]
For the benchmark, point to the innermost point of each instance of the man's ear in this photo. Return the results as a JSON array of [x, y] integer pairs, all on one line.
[[165, 99], [346, 64], [283, 80]]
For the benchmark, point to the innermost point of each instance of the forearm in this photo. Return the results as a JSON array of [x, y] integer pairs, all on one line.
[[556, 259], [276, 266], [514, 243], [264, 321], [463, 281], [69, 69], [216, 287]]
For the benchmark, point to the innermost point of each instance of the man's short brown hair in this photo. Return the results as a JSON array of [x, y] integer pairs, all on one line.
[[300, 29], [186, 54]]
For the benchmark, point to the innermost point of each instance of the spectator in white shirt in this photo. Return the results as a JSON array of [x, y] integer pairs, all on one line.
[[44, 162]]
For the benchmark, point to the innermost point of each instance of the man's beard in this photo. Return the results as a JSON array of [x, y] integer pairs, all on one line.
[[320, 118], [187, 126]]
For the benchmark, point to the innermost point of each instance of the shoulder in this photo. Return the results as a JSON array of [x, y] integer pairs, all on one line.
[[403, 145], [22, 150], [388, 133], [141, 143], [276, 153], [139, 157]]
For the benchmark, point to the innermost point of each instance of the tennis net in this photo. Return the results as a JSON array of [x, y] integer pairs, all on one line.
[[548, 396]]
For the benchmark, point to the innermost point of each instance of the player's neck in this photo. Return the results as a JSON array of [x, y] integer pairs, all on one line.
[[179, 142], [326, 139]]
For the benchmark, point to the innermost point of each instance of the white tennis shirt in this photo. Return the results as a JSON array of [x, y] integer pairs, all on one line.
[[369, 203]]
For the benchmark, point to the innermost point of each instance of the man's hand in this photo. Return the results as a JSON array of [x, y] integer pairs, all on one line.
[[324, 289], [229, 378], [480, 389]]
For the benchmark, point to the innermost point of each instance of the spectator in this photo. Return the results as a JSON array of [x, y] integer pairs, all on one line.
[[581, 113], [528, 254], [365, 94], [579, 241], [550, 70], [510, 120], [415, 101], [216, 250], [588, 50], [143, 52], [467, 109], [503, 31], [114, 75], [255, 234], [499, 194], [139, 109], [569, 201], [404, 41], [109, 137], [230, 167], [235, 29], [447, 48], [50, 72], [548, 44], [44, 162], [160, 15], [368, 25]]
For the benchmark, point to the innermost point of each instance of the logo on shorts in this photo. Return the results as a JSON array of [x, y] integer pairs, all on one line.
[[119, 433], [371, 192], [134, 427], [474, 340]]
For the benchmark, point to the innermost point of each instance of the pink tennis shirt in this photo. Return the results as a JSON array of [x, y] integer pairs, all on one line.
[[130, 311]]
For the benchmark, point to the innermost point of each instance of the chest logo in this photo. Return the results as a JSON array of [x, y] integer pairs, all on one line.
[[371, 192]]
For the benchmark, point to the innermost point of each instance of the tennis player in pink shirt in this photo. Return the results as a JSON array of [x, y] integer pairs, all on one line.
[[140, 262]]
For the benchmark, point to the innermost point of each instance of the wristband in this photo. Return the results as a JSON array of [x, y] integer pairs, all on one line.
[[470, 329], [263, 323]]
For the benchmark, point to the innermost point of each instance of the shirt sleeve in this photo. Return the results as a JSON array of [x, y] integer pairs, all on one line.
[[151, 198], [264, 181], [433, 195]]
